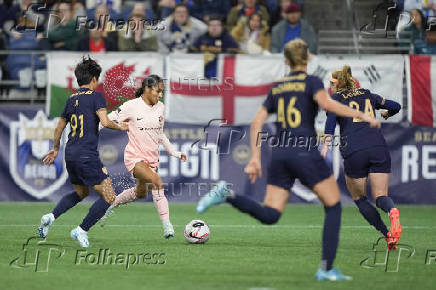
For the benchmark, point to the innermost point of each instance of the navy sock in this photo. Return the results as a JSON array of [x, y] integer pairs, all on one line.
[[371, 214], [96, 212], [264, 214], [330, 235], [67, 202], [385, 203]]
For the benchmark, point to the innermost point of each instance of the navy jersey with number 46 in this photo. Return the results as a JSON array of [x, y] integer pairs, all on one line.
[[81, 112], [359, 135], [291, 99]]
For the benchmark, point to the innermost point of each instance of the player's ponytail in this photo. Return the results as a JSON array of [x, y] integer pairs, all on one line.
[[345, 78], [149, 82], [296, 52]]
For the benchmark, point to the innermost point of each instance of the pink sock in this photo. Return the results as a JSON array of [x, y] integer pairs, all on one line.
[[161, 204], [126, 196]]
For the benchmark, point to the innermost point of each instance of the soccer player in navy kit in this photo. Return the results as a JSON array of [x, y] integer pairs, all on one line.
[[295, 99], [366, 153], [83, 110]]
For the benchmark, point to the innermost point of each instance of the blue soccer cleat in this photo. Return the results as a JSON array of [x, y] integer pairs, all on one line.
[[81, 237], [332, 275], [46, 222], [214, 197]]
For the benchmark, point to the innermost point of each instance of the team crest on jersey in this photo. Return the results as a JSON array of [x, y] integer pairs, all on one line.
[[30, 140]]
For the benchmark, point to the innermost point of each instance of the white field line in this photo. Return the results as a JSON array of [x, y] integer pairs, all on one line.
[[230, 226]]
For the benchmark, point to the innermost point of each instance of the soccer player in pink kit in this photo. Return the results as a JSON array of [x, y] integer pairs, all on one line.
[[145, 117]]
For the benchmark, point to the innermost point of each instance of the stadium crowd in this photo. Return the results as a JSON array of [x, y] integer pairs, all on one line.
[[165, 26]]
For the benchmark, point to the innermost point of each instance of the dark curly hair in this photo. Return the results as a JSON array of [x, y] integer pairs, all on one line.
[[149, 82]]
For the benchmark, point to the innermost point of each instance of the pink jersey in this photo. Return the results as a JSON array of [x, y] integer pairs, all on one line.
[[145, 132]]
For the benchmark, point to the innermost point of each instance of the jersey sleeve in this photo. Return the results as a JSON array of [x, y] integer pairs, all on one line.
[[168, 146], [269, 103], [314, 85], [100, 101], [330, 124], [65, 111], [379, 101]]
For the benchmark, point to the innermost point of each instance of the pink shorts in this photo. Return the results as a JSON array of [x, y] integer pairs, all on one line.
[[131, 162]]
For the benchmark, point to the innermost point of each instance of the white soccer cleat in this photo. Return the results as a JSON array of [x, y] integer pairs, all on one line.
[[46, 222], [81, 236], [168, 229], [107, 214]]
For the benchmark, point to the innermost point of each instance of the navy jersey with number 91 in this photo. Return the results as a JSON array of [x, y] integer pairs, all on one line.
[[81, 113]]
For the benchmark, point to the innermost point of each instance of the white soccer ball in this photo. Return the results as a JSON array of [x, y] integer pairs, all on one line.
[[197, 232]]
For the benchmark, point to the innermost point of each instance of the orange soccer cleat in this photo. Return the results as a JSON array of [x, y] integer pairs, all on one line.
[[392, 242], [394, 217]]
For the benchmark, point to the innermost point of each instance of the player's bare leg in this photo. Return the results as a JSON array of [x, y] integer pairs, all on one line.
[[379, 187], [328, 192], [147, 178]]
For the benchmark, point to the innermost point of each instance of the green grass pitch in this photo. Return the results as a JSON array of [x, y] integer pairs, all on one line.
[[241, 253]]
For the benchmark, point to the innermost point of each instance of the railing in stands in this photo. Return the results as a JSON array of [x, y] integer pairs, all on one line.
[[34, 84]]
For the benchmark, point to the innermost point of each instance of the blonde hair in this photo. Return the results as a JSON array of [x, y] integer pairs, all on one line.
[[345, 78], [296, 52]]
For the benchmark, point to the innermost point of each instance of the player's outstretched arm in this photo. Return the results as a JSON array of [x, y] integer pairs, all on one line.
[[51, 155], [253, 168], [107, 123], [329, 130], [170, 148], [324, 101]]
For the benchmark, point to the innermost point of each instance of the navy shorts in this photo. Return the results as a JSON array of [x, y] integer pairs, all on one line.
[[286, 165], [372, 160], [87, 172]]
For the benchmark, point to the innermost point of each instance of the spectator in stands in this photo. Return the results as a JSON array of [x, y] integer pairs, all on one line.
[[202, 9], [137, 35], [102, 4], [149, 14], [18, 18], [428, 7], [216, 40], [253, 37], [243, 11], [113, 5], [64, 36], [280, 12], [77, 9], [416, 31], [95, 41], [293, 27], [7, 11], [181, 31]]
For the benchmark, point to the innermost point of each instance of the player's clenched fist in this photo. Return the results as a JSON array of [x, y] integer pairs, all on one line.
[[253, 169]]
